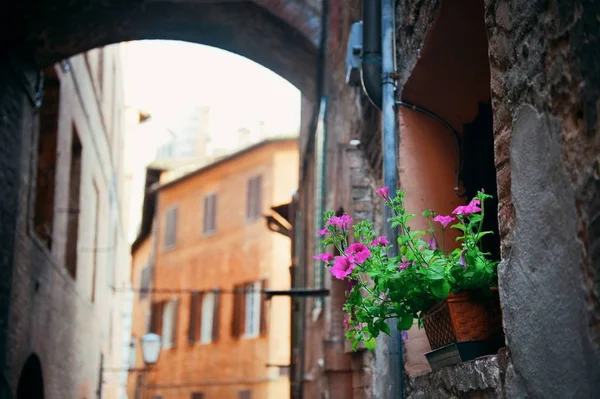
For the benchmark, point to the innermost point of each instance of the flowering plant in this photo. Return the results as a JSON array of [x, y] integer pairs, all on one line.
[[403, 287]]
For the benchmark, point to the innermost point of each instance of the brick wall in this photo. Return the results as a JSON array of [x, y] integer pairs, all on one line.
[[52, 314]]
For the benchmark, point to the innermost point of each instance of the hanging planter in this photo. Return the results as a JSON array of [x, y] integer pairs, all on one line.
[[464, 317]]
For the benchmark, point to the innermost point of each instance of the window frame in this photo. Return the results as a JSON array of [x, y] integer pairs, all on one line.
[[167, 244], [252, 304]]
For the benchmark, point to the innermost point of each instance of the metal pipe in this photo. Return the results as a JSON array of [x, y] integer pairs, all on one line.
[[390, 170], [370, 72]]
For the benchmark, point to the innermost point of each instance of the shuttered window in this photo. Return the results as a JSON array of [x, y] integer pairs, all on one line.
[[169, 335], [145, 282], [170, 238], [156, 318], [253, 305], [263, 309], [204, 316], [239, 311], [254, 198], [209, 225]]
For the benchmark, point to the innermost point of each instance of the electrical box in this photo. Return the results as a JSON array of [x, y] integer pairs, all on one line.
[[354, 54]]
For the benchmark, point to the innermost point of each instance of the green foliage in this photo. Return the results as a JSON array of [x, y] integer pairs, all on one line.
[[405, 286]]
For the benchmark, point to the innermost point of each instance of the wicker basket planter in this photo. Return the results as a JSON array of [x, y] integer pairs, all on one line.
[[464, 317]]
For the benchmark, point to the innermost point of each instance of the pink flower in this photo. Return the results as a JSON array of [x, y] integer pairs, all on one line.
[[404, 265], [384, 193], [341, 222], [322, 232], [347, 322], [342, 267], [432, 243], [358, 253], [444, 220], [381, 241], [324, 257], [468, 209]]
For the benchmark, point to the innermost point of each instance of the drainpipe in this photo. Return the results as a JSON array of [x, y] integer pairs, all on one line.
[[370, 73], [378, 67], [390, 170]]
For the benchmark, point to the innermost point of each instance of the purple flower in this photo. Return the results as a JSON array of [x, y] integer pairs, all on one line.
[[404, 335], [432, 243], [444, 220], [342, 267], [322, 232], [380, 241], [358, 253], [351, 284], [341, 222], [384, 192], [324, 257], [463, 260]]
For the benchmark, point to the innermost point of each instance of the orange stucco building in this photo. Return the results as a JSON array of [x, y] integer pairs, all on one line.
[[199, 263]]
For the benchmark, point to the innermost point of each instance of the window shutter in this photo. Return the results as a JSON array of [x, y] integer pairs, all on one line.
[[175, 320], [249, 198], [192, 328], [258, 196], [216, 315], [263, 309], [235, 319], [156, 318]]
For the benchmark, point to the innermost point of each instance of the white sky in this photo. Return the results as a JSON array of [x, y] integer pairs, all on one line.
[[167, 77]]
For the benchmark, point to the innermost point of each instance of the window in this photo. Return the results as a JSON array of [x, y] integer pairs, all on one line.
[[245, 394], [145, 282], [254, 198], [252, 310], [96, 207], [73, 207], [249, 310], [169, 323], [204, 317], [171, 228], [46, 158], [197, 395], [156, 318], [210, 214]]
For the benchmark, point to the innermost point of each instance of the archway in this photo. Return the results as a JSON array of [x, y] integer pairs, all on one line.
[[31, 381]]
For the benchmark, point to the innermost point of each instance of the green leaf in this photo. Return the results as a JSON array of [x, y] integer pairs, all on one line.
[[350, 334], [370, 344], [355, 345], [458, 226], [440, 289], [404, 323], [384, 327], [435, 273]]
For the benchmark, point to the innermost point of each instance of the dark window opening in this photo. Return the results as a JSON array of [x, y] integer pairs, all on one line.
[[46, 158], [254, 198], [74, 202], [197, 395], [245, 394], [210, 214], [171, 228], [479, 172]]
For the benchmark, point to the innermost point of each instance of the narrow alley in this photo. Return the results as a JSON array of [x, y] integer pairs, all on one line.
[[268, 199]]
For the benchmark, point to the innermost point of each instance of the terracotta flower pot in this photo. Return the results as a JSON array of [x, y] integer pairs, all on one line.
[[464, 317]]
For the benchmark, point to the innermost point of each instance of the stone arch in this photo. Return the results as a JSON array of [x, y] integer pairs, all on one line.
[[31, 380], [281, 36]]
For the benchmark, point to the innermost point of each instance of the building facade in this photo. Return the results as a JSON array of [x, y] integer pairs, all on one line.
[[200, 264], [68, 314]]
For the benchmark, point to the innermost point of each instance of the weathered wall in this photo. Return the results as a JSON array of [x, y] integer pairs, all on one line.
[[545, 86]]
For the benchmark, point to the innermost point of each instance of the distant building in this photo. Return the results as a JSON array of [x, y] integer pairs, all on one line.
[[189, 135], [203, 254]]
